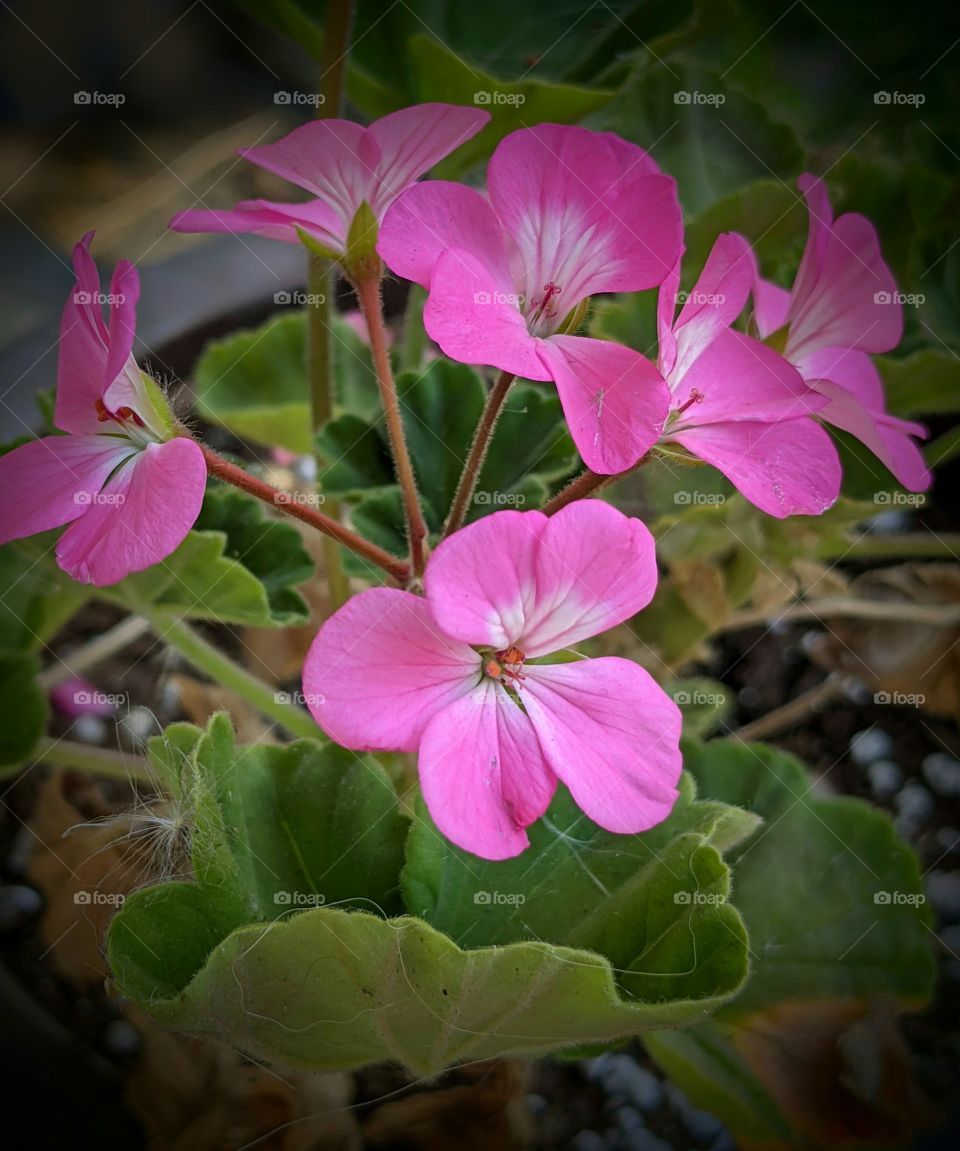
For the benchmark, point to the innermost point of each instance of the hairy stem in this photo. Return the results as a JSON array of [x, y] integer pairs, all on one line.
[[368, 293], [101, 761], [220, 667], [285, 502], [586, 484], [478, 453]]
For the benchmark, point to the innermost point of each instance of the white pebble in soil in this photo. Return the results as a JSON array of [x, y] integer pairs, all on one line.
[[943, 891], [89, 729], [885, 778], [870, 745], [700, 1124], [643, 1140], [140, 724], [622, 1075], [948, 840], [914, 803], [18, 905], [942, 772], [589, 1141], [121, 1039]]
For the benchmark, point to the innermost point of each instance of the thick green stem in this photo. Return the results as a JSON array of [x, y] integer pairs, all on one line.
[[95, 760], [368, 293], [212, 662], [473, 464]]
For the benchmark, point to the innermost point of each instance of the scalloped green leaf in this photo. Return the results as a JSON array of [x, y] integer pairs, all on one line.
[[834, 905], [239, 568], [329, 989], [254, 382], [711, 148]]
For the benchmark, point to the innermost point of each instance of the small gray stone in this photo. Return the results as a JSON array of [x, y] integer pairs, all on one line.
[[18, 905], [622, 1075], [121, 1039], [914, 802], [140, 724], [536, 1104], [885, 777], [643, 1140], [589, 1141], [748, 697], [948, 839], [724, 1142], [943, 891], [942, 772], [870, 745], [89, 729], [305, 470], [629, 1118]]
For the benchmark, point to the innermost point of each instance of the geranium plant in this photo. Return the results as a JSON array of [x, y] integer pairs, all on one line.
[[492, 822]]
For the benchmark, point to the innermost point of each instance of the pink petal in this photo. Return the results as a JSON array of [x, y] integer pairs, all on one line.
[[276, 221], [771, 305], [413, 139], [380, 668], [49, 482], [852, 370], [142, 515], [595, 568], [334, 160], [615, 401], [844, 295], [482, 773], [716, 300], [543, 584], [666, 307], [738, 378], [124, 293], [611, 735], [434, 216], [581, 214], [785, 469], [82, 363], [888, 438], [473, 321], [481, 582]]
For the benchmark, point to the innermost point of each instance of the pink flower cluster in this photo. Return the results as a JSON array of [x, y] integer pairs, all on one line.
[[481, 676]]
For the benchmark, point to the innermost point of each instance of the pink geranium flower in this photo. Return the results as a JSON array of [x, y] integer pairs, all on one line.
[[842, 307], [571, 212], [457, 678], [342, 165], [128, 487], [735, 402]]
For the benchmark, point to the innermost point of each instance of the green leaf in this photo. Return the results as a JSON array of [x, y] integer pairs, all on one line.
[[255, 382], [440, 407], [924, 384], [647, 902], [441, 74], [711, 149], [706, 704], [238, 570], [37, 597], [332, 989], [24, 708], [833, 903], [271, 550], [296, 824]]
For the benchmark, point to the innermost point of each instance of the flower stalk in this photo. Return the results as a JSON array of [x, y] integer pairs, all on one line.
[[473, 465], [368, 294]]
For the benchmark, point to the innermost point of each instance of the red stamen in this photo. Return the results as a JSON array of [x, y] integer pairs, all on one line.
[[549, 291], [695, 398]]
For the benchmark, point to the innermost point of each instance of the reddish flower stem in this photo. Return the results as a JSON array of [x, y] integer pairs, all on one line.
[[478, 453], [231, 474], [368, 294], [586, 484]]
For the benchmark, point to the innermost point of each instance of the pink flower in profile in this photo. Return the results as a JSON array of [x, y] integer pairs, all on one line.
[[735, 402], [571, 213], [457, 678], [342, 165], [843, 306], [129, 489]]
